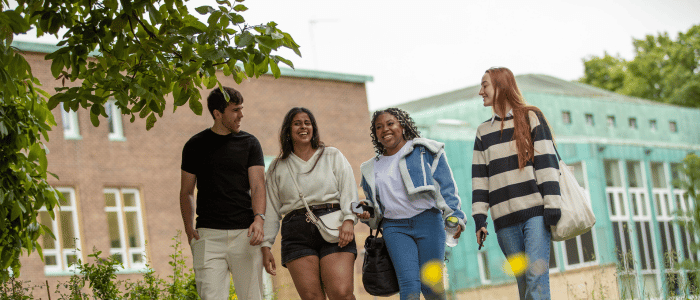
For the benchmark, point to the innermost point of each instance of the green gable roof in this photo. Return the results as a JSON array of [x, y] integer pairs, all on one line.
[[529, 83], [49, 48]]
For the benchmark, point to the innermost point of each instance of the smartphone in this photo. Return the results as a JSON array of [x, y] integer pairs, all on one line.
[[358, 208], [482, 238]]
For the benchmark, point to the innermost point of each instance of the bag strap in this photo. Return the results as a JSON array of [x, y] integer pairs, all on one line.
[[309, 214], [533, 141]]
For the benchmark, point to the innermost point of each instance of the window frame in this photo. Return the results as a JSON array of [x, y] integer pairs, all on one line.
[[60, 251], [673, 126], [579, 243], [612, 123], [653, 127], [125, 250], [480, 262], [589, 119], [632, 123], [566, 117], [70, 118], [114, 118]]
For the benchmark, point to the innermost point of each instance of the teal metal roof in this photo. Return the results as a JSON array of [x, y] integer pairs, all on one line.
[[301, 73], [529, 83]]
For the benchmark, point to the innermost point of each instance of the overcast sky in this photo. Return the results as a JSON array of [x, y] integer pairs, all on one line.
[[415, 49]]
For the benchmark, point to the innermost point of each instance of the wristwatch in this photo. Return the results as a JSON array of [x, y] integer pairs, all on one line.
[[261, 216]]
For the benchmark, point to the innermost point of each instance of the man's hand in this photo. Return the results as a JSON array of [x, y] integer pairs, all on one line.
[[191, 233], [256, 231], [346, 233], [268, 261]]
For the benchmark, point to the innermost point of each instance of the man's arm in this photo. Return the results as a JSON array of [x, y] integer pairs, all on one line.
[[256, 176], [187, 184]]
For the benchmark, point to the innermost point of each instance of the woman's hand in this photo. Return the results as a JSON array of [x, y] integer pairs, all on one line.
[[268, 261], [481, 236], [363, 215], [347, 233], [459, 233]]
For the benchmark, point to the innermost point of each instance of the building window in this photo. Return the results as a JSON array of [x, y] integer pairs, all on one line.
[[619, 217], [552, 257], [566, 117], [484, 267], [665, 219], [589, 120], [652, 125], [71, 130], [633, 123], [114, 121], [580, 251], [61, 254], [611, 122], [641, 215], [125, 223], [672, 126]]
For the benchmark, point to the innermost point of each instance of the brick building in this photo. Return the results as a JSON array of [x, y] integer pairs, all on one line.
[[121, 182]]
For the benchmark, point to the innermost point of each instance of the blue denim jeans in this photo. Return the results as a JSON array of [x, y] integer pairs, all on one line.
[[531, 238], [411, 243]]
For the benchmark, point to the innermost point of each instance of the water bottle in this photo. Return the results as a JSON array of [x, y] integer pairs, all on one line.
[[451, 228]]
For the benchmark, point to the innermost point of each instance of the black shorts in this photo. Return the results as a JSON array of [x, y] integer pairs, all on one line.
[[300, 239]]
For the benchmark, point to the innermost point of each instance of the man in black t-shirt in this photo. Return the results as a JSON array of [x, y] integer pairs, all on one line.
[[227, 166]]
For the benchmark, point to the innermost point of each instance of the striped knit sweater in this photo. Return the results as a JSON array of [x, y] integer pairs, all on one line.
[[514, 195]]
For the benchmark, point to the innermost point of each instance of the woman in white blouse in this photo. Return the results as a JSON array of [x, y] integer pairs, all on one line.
[[328, 184]]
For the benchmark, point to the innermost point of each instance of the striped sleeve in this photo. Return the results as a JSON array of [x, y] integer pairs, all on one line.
[[480, 184], [546, 166]]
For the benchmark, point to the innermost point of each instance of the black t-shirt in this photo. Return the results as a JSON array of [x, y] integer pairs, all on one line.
[[221, 164]]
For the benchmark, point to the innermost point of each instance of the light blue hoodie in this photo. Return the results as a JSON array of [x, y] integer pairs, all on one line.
[[425, 174]]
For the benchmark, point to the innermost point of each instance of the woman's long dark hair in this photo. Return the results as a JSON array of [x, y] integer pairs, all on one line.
[[286, 144], [410, 130], [507, 92]]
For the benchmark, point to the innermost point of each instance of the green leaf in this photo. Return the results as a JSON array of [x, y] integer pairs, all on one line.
[[245, 39], [94, 115], [285, 61], [57, 66], [150, 121], [119, 23], [237, 19], [276, 35], [275, 69], [34, 152], [15, 21], [3, 129], [240, 8], [203, 10], [249, 68], [16, 211], [190, 30], [196, 106]]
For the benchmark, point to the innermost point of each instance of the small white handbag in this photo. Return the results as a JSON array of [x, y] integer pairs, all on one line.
[[328, 225], [577, 216]]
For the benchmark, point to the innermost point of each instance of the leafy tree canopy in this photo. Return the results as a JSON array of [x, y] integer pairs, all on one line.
[[135, 52], [663, 69]]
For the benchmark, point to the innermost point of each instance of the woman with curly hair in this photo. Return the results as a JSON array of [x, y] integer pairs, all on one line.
[[515, 173], [412, 190], [326, 179]]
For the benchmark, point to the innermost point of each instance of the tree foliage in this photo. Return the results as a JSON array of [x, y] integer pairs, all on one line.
[[135, 52], [690, 182], [663, 69]]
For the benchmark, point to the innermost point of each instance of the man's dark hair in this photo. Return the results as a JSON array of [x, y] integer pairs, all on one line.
[[217, 99]]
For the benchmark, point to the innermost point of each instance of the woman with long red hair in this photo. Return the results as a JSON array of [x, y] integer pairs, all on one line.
[[515, 174]]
